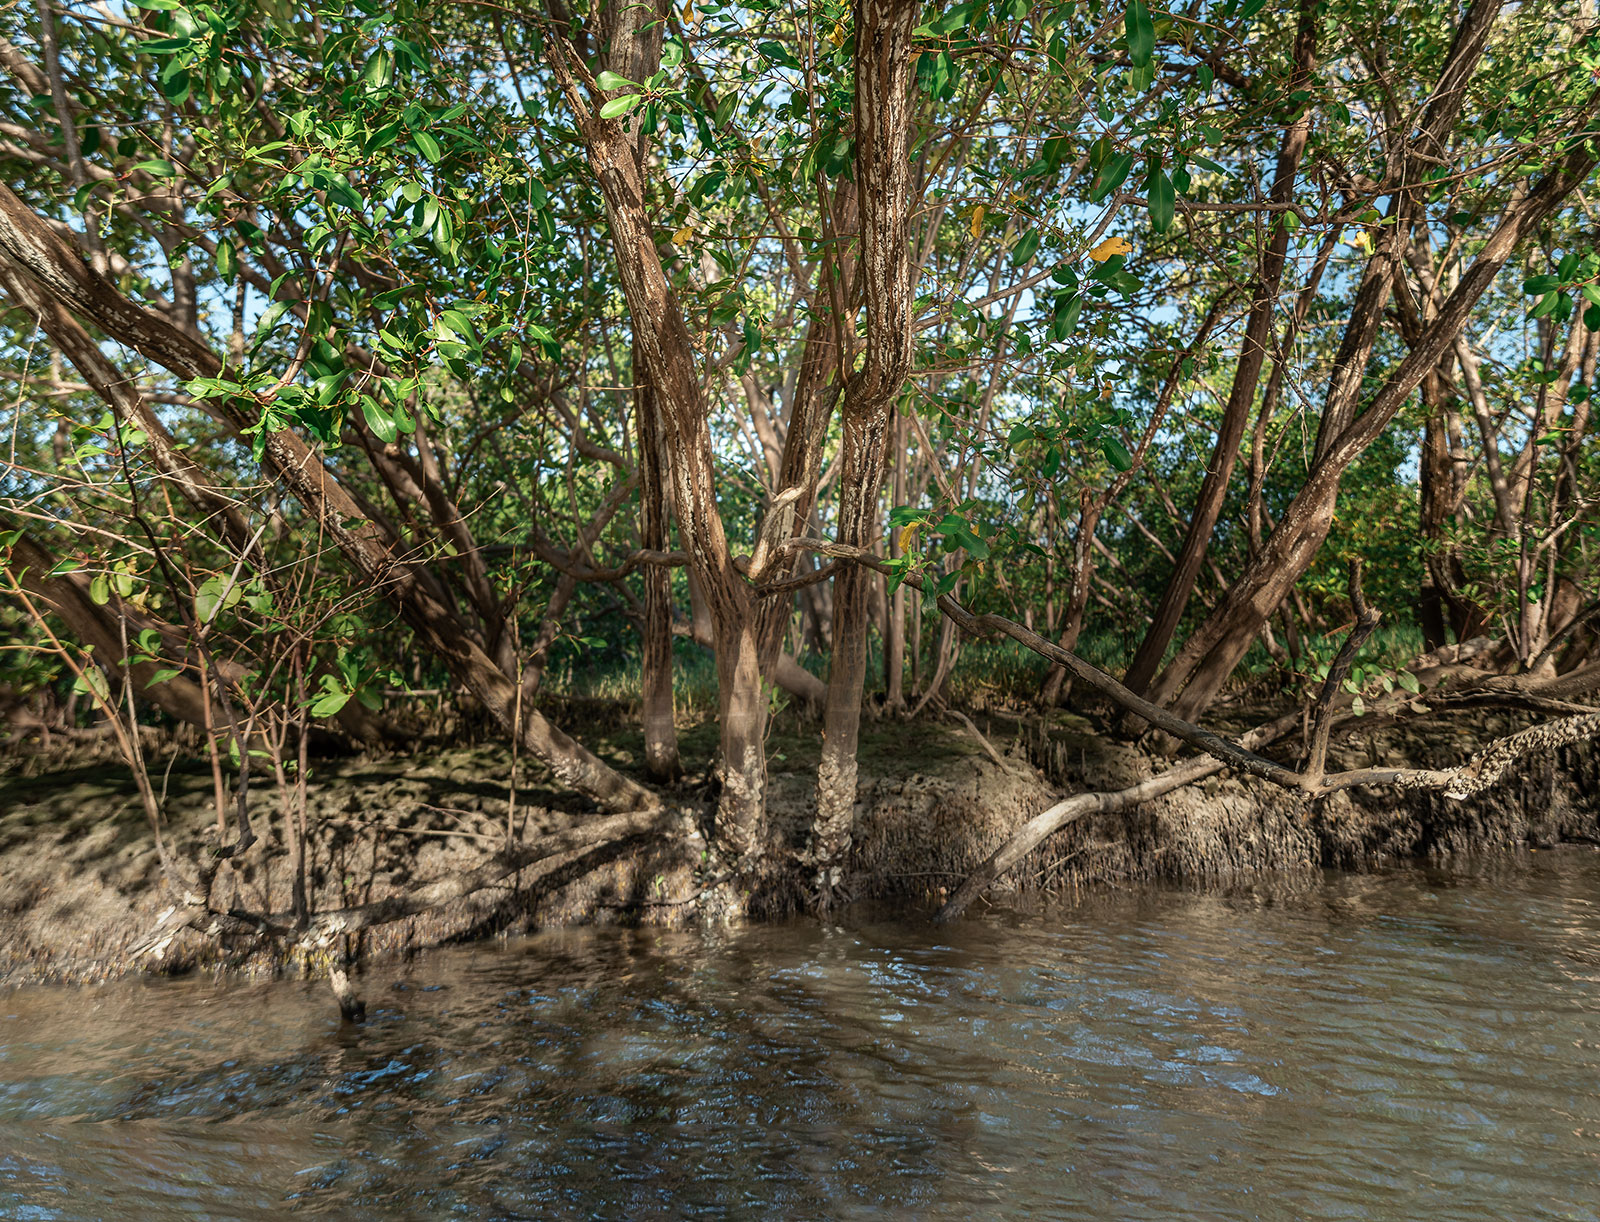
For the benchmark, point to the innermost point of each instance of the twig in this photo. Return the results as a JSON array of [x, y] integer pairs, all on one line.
[[978, 734], [1322, 712]]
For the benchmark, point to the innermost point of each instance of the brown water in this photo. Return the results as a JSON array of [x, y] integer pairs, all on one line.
[[1404, 1046]]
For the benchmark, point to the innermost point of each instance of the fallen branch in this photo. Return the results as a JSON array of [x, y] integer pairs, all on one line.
[[1480, 772], [978, 734], [1235, 754], [1069, 810], [1483, 770]]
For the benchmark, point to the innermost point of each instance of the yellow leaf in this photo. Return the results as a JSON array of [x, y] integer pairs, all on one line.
[[1362, 242], [1111, 246], [836, 36], [683, 237], [908, 535], [977, 221]]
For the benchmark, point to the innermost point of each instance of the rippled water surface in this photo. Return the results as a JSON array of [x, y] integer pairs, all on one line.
[[1409, 1045]]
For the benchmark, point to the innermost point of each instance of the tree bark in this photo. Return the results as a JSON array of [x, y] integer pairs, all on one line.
[[883, 65], [656, 707], [1210, 655], [1247, 375], [894, 646]]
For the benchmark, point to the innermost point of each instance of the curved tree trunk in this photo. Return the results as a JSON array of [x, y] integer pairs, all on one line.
[[71, 283]]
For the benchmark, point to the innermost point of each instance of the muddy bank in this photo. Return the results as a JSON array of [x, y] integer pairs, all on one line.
[[80, 883]]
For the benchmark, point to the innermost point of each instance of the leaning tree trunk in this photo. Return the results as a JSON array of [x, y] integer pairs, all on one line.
[[67, 279], [1211, 654], [1247, 375]]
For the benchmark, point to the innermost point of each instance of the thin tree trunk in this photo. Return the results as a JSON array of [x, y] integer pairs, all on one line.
[[894, 649], [1236, 413]]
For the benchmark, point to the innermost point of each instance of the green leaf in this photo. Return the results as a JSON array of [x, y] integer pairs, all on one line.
[[610, 80], [226, 261], [778, 54], [620, 106], [1110, 176], [329, 703], [100, 590], [1066, 317], [92, 680], [1116, 454], [1161, 200], [1547, 305], [341, 192], [158, 168], [215, 594], [161, 676], [269, 320], [458, 323], [379, 420], [427, 146], [379, 69], [1141, 33], [326, 388], [1026, 245]]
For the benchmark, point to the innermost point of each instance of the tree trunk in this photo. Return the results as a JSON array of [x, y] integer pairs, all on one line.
[[656, 708], [894, 646], [1247, 374], [1210, 655], [883, 63]]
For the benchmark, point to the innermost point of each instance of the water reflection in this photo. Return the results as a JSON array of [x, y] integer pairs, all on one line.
[[1405, 1045]]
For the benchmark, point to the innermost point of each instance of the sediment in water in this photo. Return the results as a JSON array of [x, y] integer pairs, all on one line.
[[80, 884]]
